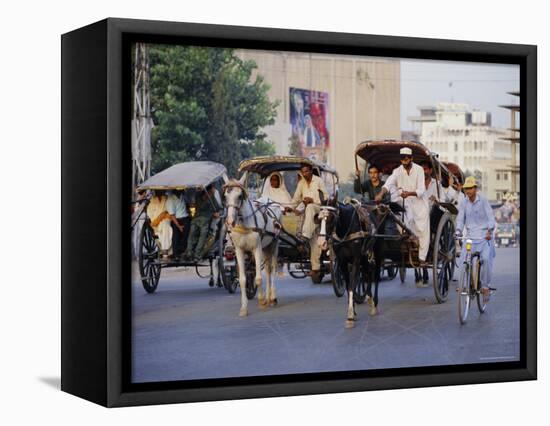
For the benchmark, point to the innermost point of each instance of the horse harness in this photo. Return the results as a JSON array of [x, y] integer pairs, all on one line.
[[263, 209]]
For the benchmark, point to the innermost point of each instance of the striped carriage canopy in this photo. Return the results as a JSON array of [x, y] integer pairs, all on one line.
[[265, 165], [385, 155], [191, 174]]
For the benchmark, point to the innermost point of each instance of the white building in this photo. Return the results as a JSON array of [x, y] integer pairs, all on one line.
[[466, 137]]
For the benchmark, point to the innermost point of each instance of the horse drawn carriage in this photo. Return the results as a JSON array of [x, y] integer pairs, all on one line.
[[192, 178], [292, 250], [400, 245]]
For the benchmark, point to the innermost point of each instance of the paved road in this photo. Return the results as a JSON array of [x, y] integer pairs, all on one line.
[[187, 330]]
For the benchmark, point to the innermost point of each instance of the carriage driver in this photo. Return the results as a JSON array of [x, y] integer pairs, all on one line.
[[476, 215], [311, 191], [407, 181]]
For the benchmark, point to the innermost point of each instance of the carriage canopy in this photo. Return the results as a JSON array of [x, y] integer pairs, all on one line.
[[385, 154], [191, 174], [266, 165]]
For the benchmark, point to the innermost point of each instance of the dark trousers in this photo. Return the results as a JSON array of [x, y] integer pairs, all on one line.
[[179, 239]]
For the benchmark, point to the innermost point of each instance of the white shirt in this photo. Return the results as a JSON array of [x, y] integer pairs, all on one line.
[[400, 180], [311, 190], [431, 191]]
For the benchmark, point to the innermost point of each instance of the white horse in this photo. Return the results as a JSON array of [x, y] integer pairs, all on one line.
[[253, 228]]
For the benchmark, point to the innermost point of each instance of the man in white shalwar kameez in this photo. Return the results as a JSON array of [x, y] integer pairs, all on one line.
[[160, 220], [407, 181]]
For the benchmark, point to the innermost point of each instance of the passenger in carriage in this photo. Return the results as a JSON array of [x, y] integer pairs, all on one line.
[[454, 191], [180, 221], [207, 208], [434, 192], [369, 187], [407, 181], [275, 190], [160, 220]]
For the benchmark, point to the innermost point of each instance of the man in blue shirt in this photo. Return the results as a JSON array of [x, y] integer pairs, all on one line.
[[476, 217]]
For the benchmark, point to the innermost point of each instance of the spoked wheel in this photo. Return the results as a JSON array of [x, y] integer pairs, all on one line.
[[338, 283], [149, 258], [227, 268], [402, 274], [250, 272], [464, 294], [444, 253], [476, 275], [296, 270]]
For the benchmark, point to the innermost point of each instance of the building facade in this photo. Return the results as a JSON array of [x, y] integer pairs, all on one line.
[[349, 99], [466, 137]]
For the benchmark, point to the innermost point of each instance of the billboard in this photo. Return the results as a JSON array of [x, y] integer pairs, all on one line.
[[310, 123]]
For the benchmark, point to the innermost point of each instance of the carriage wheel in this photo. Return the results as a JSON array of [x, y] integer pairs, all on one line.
[[444, 253], [338, 283], [149, 258], [402, 274], [297, 271], [365, 277], [227, 270]]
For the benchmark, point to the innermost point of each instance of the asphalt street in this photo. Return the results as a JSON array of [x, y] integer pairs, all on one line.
[[188, 330]]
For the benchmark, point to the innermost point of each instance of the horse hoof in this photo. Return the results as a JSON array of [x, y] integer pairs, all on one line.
[[350, 323], [373, 311], [243, 313], [273, 302], [370, 301]]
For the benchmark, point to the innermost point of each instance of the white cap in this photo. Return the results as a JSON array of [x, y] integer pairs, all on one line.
[[405, 151]]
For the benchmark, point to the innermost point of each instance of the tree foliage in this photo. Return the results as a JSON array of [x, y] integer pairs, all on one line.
[[206, 106]]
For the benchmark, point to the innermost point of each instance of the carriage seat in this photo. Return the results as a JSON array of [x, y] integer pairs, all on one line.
[[291, 223]]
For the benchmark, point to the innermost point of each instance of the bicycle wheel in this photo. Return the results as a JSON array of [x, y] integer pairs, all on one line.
[[464, 294], [481, 304]]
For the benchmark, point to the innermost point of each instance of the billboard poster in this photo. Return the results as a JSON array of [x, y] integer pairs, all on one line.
[[309, 121]]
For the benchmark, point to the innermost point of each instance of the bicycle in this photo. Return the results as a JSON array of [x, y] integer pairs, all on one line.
[[470, 285]]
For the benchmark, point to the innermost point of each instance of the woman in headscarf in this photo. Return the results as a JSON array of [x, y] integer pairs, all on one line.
[[275, 189]]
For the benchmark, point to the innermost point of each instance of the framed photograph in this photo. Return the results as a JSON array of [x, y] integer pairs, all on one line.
[[277, 212]]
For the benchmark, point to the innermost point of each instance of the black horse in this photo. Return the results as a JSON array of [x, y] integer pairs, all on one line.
[[350, 229]]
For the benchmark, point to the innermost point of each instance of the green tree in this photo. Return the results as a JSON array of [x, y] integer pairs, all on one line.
[[207, 106]]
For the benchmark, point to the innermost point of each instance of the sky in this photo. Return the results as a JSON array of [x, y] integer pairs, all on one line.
[[482, 86]]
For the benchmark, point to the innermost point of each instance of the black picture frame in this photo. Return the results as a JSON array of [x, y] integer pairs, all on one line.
[[96, 179]]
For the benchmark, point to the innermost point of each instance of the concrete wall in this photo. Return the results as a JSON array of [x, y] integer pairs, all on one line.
[[364, 97]]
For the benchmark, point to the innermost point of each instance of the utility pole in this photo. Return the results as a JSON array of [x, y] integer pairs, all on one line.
[[142, 123]]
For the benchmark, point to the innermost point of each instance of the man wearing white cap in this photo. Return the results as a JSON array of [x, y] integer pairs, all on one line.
[[407, 181]]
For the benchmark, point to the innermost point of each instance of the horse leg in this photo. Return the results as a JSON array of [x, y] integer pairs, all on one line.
[[258, 257], [272, 295], [352, 284], [242, 280], [373, 310], [368, 268]]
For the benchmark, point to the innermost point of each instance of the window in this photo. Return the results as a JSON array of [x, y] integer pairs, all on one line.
[[498, 176], [505, 176], [456, 146]]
